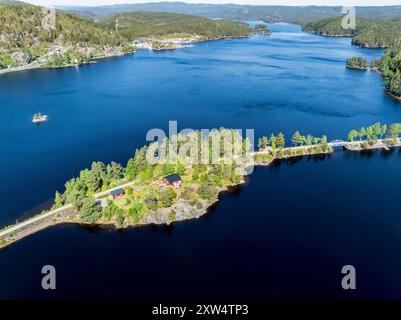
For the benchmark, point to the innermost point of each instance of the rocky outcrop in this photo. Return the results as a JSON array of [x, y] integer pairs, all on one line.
[[20, 57]]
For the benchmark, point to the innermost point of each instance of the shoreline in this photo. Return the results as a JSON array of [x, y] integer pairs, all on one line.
[[392, 95], [36, 65], [327, 34]]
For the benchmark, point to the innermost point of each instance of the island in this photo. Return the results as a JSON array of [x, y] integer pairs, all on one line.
[[389, 66], [359, 63], [144, 193], [262, 29], [370, 33]]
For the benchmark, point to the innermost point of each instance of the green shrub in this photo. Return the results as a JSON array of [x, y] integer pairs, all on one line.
[[90, 211]]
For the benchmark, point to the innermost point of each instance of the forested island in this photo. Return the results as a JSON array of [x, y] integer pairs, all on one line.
[[167, 191], [147, 201], [261, 28], [140, 192], [357, 63], [73, 40]]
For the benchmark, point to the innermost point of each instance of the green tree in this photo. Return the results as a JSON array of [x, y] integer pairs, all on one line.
[[263, 143], [352, 135], [76, 198], [280, 141], [90, 211], [136, 211], [323, 141], [120, 219], [137, 165], [208, 191], [116, 171], [273, 140], [166, 197], [109, 211], [129, 191], [152, 203], [168, 168], [58, 200], [180, 169], [309, 140], [362, 133], [377, 129], [369, 133], [298, 139]]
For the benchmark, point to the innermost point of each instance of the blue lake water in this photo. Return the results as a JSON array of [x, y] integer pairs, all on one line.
[[286, 234]]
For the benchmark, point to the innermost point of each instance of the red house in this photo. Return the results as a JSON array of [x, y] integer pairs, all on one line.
[[118, 193], [173, 180]]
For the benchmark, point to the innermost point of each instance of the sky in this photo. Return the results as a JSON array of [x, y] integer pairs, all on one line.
[[259, 2]]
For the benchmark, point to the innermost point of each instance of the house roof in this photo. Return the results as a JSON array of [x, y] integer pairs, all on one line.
[[173, 178], [117, 192]]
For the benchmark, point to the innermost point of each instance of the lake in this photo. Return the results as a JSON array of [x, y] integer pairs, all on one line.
[[287, 233]]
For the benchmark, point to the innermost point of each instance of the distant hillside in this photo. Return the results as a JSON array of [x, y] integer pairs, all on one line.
[[150, 24], [24, 42], [368, 33], [380, 34], [10, 2], [23, 39], [21, 27], [293, 14], [333, 27]]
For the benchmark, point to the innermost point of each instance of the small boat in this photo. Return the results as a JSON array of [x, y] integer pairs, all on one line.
[[39, 118]]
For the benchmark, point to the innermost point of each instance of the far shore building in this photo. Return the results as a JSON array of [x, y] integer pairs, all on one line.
[[173, 180], [118, 193]]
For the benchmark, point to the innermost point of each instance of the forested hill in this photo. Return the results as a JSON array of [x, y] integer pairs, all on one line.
[[369, 33], [149, 24], [21, 32], [380, 34], [333, 27], [293, 14], [390, 66], [75, 39]]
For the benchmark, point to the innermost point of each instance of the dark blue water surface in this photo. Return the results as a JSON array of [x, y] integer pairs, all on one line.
[[286, 234]]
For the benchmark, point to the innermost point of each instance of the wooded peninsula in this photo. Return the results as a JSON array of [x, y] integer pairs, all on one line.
[[143, 193]]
